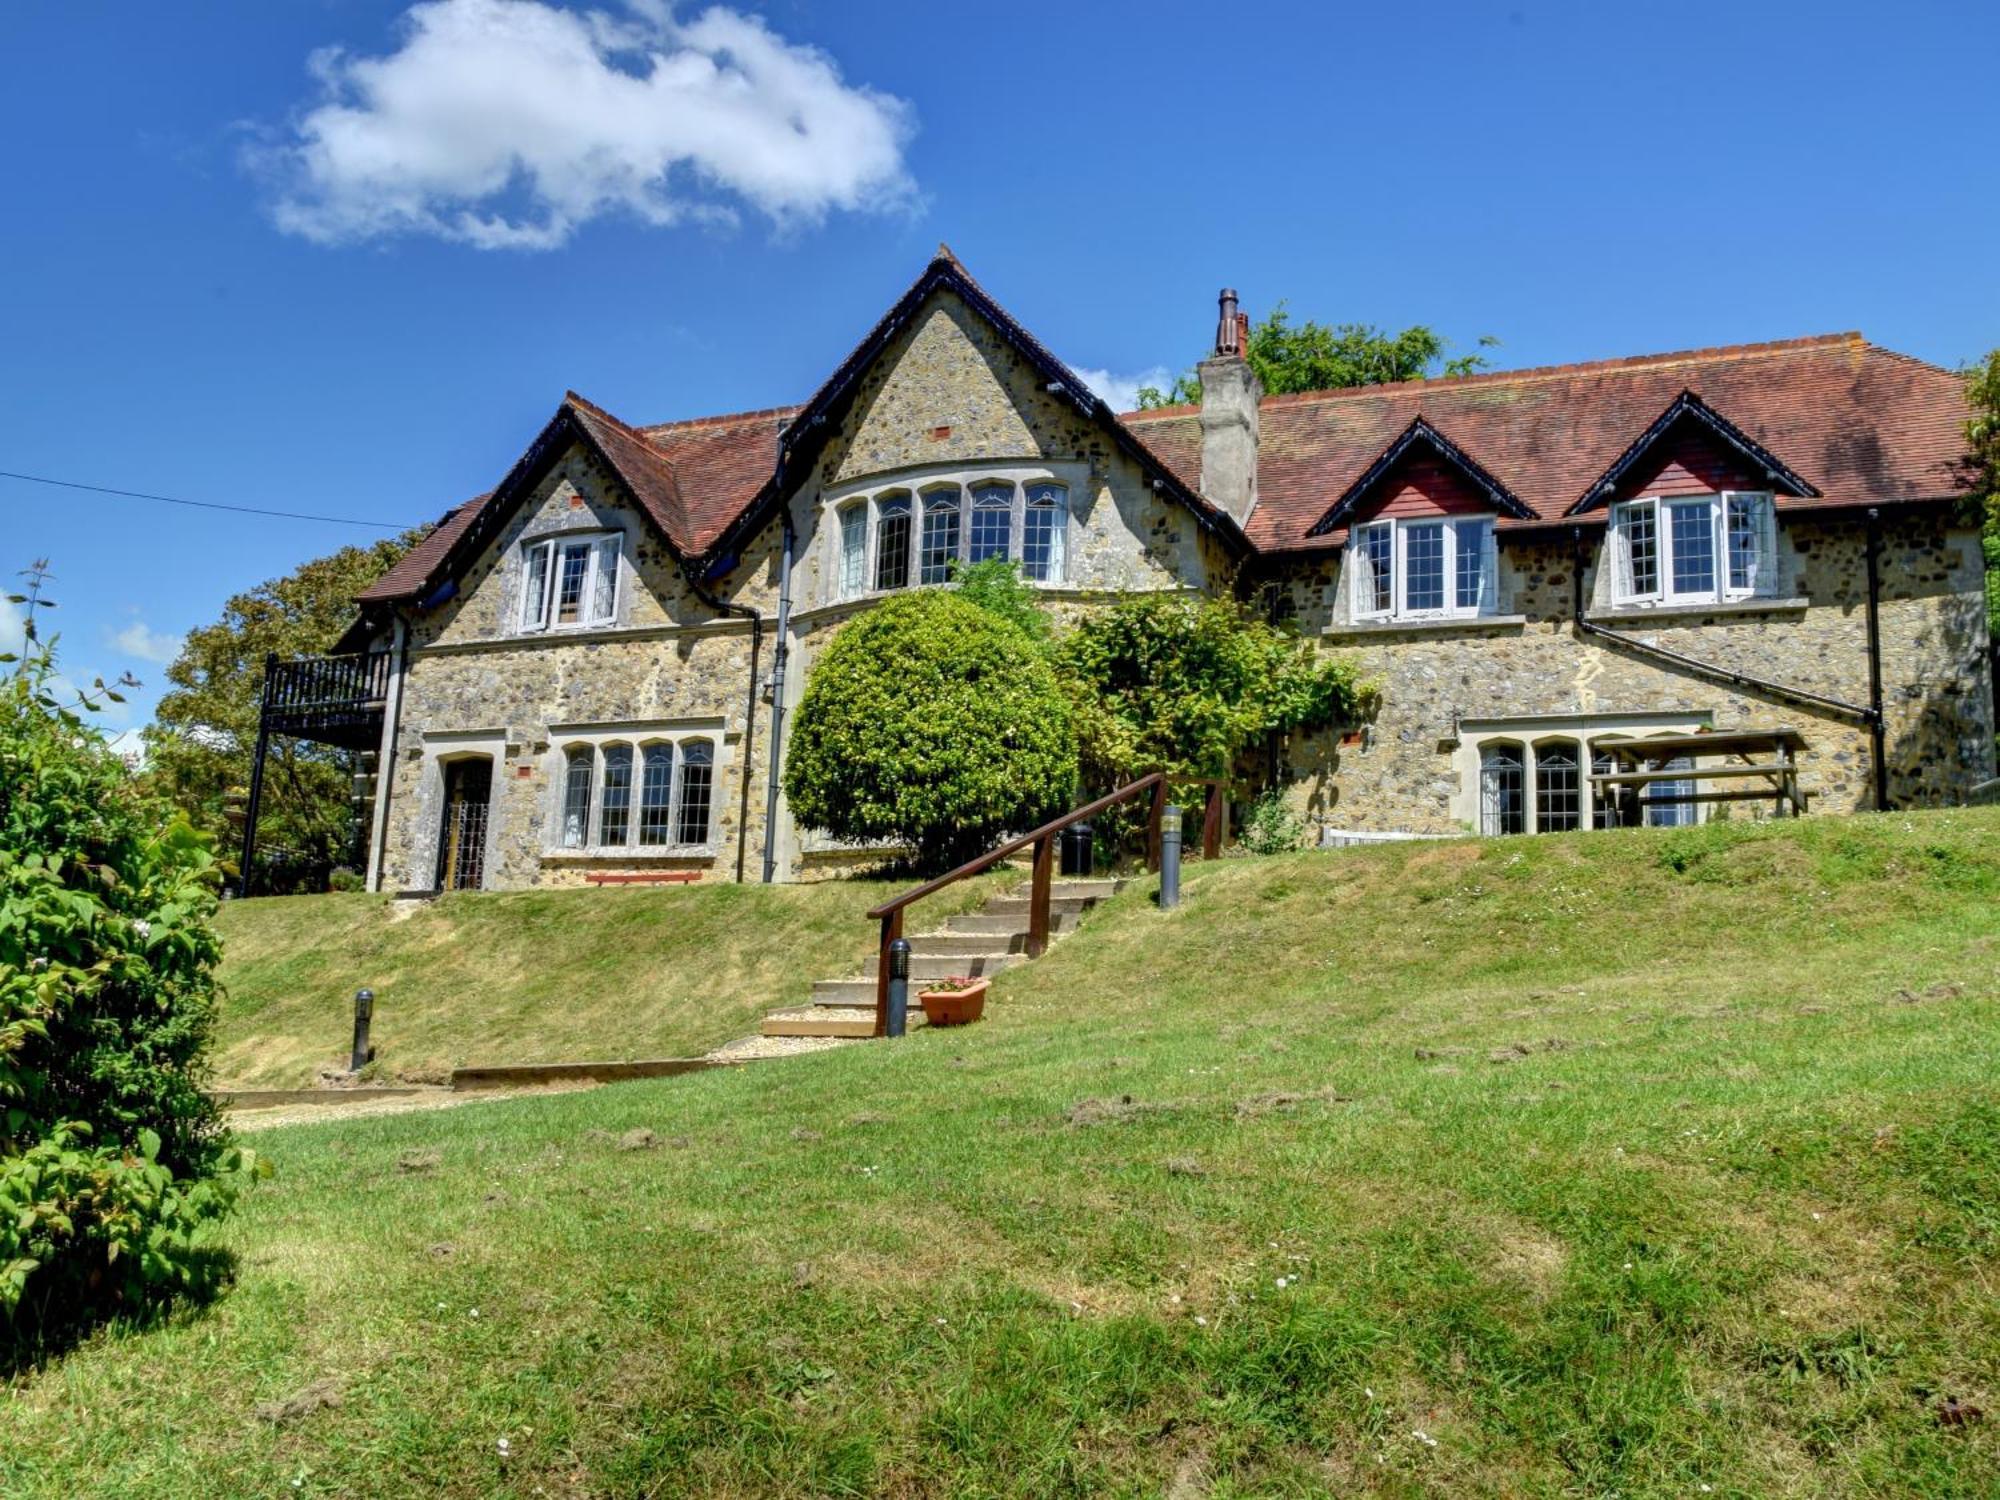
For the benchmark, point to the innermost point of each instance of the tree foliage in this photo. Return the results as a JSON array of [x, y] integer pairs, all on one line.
[[1161, 681], [112, 1156], [204, 732], [931, 722], [1982, 437], [1313, 356]]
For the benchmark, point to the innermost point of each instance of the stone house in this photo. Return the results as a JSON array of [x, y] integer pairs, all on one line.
[[587, 672]]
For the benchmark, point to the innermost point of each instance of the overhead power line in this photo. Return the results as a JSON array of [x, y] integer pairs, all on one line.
[[241, 510]]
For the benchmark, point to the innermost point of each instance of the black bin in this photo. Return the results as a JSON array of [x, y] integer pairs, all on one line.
[[1077, 842]]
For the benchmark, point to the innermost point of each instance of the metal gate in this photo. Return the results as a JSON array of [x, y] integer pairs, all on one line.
[[468, 790]]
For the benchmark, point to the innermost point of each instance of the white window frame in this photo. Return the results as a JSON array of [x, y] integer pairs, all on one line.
[[1763, 583], [638, 739], [541, 556], [1460, 534], [1027, 491]]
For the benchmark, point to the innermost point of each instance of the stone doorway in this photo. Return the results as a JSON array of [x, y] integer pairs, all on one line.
[[468, 792]]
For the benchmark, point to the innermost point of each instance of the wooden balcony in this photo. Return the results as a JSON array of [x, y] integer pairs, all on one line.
[[336, 700]]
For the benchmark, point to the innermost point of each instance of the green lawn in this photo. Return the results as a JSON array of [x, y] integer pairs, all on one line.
[[1654, 1163], [530, 976]]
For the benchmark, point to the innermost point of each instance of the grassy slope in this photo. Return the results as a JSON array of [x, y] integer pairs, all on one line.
[[1737, 1235], [532, 976]]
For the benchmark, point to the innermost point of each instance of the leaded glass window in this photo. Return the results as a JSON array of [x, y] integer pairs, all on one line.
[[696, 790], [1502, 796], [940, 536], [1558, 797], [992, 522], [892, 542], [656, 792], [1045, 533], [614, 814]]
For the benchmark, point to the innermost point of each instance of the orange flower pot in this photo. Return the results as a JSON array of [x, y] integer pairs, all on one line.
[[955, 1007]]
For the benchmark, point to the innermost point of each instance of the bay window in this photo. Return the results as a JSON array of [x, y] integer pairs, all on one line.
[[569, 581], [895, 539], [1432, 567], [1693, 549]]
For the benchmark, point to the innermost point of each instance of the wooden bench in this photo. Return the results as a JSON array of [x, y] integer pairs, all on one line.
[[646, 877]]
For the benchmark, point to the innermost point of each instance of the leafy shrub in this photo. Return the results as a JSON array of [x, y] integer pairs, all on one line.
[[111, 1155], [1272, 827], [931, 722], [341, 878], [996, 586]]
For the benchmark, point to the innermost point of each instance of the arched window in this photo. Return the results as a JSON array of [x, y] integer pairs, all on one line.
[[1502, 803], [940, 536], [656, 795], [1045, 533], [892, 542], [1558, 797], [853, 549], [577, 768], [696, 792], [614, 814], [992, 522]]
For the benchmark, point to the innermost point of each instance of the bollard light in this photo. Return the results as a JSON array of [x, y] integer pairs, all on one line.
[[364, 1012], [899, 987], [1170, 857]]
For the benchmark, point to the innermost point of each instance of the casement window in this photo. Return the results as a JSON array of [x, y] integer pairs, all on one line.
[[853, 548], [1694, 549], [1558, 789], [1425, 568], [1045, 534], [895, 539], [892, 542], [940, 536], [568, 582], [669, 806], [1503, 806]]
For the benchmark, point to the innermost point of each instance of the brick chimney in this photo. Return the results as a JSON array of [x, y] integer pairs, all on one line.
[[1230, 392]]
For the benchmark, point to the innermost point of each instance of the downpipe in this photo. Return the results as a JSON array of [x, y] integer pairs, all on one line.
[[756, 619], [780, 654]]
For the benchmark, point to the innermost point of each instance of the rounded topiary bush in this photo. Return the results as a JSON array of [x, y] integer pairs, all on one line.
[[111, 1154], [932, 723]]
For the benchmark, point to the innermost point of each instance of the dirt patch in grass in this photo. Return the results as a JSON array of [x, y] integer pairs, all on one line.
[[1282, 1101], [1087, 1113], [303, 1402]]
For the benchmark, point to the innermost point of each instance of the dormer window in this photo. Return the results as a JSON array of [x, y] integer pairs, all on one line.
[[1424, 568], [1693, 549], [569, 582]]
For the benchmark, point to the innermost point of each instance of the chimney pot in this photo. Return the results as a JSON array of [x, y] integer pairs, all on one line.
[[1227, 325]]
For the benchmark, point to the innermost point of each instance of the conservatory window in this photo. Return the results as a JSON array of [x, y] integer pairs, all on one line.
[[569, 582], [940, 536], [892, 543], [1704, 548], [1429, 568], [1045, 534]]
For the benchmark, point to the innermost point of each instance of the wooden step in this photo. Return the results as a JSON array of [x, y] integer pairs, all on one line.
[[1021, 906], [1087, 890], [979, 924], [842, 993], [970, 942], [945, 965], [820, 1024]]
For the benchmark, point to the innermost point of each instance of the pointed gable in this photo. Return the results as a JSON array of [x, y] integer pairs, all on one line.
[[1421, 472], [1691, 448]]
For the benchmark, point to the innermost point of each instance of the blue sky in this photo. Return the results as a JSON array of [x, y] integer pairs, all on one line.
[[344, 257]]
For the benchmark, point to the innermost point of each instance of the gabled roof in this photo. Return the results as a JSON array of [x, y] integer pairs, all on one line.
[[815, 423], [1420, 433], [1688, 407], [1859, 424]]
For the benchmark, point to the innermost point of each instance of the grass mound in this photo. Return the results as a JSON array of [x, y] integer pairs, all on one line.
[[1650, 1163], [529, 976]]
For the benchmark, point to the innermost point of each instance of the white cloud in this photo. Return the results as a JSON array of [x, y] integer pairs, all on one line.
[[506, 124], [140, 640], [131, 745], [1122, 391], [13, 633]]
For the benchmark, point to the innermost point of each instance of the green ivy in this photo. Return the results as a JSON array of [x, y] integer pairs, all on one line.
[[934, 723], [112, 1156]]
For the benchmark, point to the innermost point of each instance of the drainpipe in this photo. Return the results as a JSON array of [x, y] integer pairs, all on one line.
[[779, 654], [385, 755], [1836, 707], [756, 619], [1877, 726]]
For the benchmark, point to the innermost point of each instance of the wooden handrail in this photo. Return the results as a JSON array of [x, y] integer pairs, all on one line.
[[890, 913]]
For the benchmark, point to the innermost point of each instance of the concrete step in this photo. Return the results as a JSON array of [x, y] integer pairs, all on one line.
[[944, 965], [819, 1024]]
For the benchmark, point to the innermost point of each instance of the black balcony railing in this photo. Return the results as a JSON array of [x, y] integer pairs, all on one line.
[[335, 699]]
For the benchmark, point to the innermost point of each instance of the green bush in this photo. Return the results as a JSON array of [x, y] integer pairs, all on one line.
[[933, 723], [1272, 827], [111, 1155], [996, 586]]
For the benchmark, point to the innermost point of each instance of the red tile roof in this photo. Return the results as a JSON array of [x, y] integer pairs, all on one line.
[[1862, 424]]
